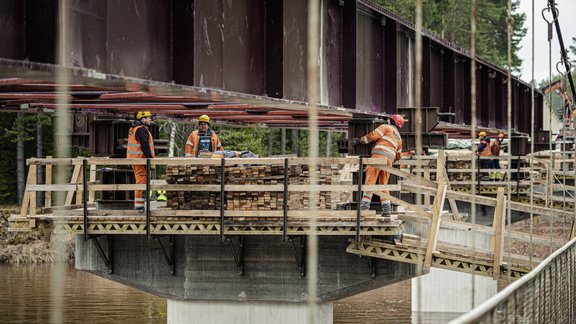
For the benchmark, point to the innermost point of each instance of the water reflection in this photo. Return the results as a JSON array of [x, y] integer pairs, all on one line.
[[25, 298]]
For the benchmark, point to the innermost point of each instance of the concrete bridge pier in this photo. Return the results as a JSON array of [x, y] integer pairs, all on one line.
[[208, 312], [259, 280]]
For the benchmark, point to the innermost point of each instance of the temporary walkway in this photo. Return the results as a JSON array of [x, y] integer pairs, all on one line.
[[369, 234]]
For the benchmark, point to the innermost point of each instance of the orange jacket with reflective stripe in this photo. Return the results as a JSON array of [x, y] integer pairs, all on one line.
[[485, 149], [193, 140], [388, 141], [133, 149]]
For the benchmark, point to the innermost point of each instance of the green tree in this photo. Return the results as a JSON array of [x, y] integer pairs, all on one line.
[[450, 19]]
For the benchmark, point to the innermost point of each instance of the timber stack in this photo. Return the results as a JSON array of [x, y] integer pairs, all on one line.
[[250, 175]]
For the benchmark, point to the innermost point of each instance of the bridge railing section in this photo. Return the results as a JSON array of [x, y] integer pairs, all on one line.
[[544, 295]]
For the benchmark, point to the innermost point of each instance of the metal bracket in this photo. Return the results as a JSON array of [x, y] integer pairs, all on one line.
[[238, 255], [300, 257], [170, 260], [108, 260], [372, 263]]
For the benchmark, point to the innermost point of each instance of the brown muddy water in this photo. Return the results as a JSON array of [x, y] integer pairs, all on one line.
[[25, 297]]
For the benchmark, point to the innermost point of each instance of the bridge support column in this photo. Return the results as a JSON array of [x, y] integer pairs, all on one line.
[[460, 291], [244, 312]]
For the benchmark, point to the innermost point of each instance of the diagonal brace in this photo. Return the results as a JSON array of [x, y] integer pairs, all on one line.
[[170, 259], [300, 256], [238, 255]]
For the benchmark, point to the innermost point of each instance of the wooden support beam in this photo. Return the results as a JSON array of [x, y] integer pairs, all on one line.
[[74, 179], [437, 207], [414, 208], [33, 195], [427, 177], [91, 193], [410, 177], [78, 200], [27, 195], [48, 181], [488, 201], [498, 239]]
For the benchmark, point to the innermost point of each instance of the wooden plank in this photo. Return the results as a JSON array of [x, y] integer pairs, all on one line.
[[409, 177], [488, 201], [414, 208], [92, 193], [48, 181], [32, 170], [27, 196], [453, 206], [74, 178], [437, 207], [79, 180], [427, 177], [499, 228]]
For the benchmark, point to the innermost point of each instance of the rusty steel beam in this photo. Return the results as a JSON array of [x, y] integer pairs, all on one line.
[[249, 53]]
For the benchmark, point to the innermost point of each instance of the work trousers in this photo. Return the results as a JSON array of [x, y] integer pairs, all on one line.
[[374, 175], [140, 175]]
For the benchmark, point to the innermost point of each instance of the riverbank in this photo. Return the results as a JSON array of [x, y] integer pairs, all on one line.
[[29, 247]]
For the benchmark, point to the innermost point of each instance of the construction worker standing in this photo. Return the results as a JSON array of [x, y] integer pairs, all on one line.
[[389, 147], [496, 145], [484, 151], [140, 145], [203, 139]]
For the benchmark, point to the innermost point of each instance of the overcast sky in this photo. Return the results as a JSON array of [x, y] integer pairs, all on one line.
[[567, 18]]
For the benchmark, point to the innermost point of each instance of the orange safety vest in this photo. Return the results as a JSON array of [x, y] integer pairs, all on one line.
[[193, 140], [487, 151], [388, 141], [133, 149]]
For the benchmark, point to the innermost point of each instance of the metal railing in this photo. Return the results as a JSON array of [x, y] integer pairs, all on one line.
[[547, 294]]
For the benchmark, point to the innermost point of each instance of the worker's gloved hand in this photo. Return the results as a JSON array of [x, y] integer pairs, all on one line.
[[355, 141]]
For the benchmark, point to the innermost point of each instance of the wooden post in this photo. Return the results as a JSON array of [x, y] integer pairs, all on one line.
[[74, 179], [437, 207], [32, 179], [498, 224], [78, 181], [427, 177], [48, 181], [27, 195], [92, 180], [451, 201]]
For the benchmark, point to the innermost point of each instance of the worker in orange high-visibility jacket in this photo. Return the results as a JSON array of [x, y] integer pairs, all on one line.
[[388, 146], [140, 145], [495, 165], [484, 151], [203, 139]]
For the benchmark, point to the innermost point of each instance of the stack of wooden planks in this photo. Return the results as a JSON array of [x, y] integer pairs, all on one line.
[[250, 175]]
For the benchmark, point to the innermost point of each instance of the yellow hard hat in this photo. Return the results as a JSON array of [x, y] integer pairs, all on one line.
[[142, 114], [204, 118], [482, 134]]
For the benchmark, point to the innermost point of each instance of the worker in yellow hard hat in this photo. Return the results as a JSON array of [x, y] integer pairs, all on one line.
[[203, 139], [140, 145], [484, 151]]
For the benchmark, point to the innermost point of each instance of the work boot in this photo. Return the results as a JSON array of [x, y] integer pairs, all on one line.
[[387, 211], [140, 209], [364, 205]]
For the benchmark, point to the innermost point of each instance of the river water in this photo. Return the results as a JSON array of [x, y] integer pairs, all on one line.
[[26, 297]]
